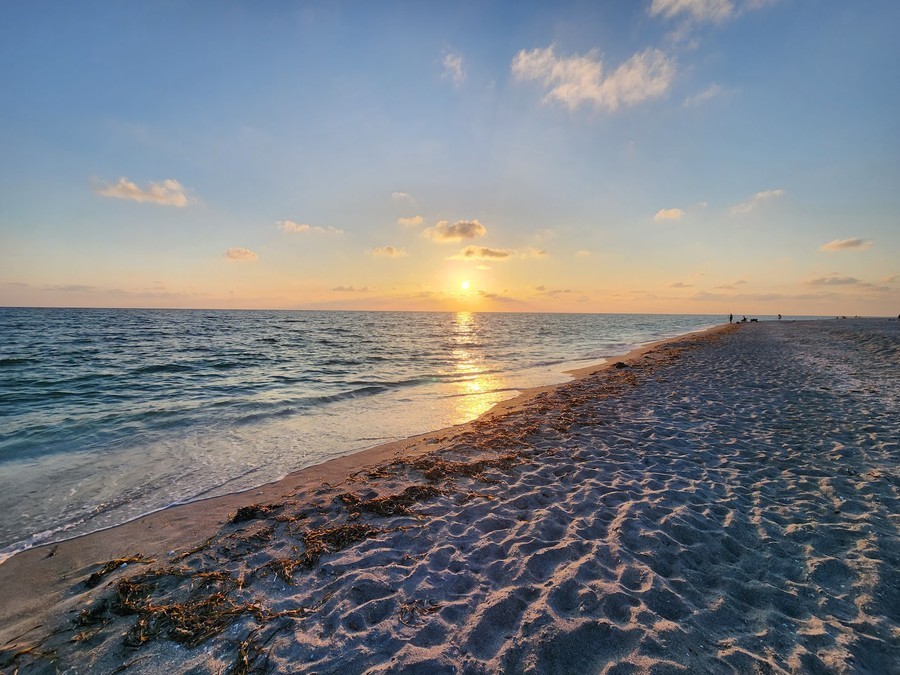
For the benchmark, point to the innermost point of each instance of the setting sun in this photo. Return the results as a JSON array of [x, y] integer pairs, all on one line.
[[465, 285]]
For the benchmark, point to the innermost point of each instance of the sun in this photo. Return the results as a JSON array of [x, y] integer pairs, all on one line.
[[465, 285]]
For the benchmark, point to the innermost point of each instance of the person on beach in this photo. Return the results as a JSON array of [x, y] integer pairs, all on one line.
[[779, 317], [730, 318]]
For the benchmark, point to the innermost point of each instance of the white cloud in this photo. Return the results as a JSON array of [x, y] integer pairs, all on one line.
[[679, 284], [238, 253], [844, 244], [583, 253], [412, 221], [580, 79], [401, 197], [168, 192], [758, 199], [389, 252], [446, 232], [711, 92], [300, 228], [668, 214], [453, 68]]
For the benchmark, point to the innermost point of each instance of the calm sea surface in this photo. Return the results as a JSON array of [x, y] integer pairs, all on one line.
[[106, 415]]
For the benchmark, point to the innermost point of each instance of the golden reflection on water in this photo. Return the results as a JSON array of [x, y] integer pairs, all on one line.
[[476, 391]]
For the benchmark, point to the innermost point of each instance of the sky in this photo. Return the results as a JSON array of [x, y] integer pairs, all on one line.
[[672, 156]]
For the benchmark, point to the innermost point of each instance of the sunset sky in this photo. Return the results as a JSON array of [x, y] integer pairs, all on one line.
[[684, 156]]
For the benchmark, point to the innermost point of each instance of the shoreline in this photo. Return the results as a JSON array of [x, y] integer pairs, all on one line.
[[498, 408], [177, 526], [724, 501], [93, 490]]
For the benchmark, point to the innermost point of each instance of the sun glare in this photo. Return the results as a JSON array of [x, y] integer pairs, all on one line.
[[465, 285]]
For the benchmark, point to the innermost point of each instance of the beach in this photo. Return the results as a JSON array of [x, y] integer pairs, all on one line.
[[725, 501]]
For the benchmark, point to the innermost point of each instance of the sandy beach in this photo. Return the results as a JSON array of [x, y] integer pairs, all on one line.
[[721, 502]]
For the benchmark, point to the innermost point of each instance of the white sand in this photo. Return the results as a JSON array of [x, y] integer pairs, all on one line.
[[728, 503]]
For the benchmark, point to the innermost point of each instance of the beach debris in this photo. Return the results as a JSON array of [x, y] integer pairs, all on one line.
[[435, 469], [114, 565], [324, 540], [412, 610], [621, 364], [391, 505]]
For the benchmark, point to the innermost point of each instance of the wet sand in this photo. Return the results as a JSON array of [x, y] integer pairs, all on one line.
[[726, 502]]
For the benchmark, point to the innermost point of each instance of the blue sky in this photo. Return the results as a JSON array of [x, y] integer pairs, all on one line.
[[666, 155]]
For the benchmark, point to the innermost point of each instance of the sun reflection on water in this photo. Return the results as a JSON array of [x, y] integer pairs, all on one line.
[[475, 391]]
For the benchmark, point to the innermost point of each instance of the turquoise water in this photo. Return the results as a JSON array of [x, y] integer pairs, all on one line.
[[106, 415]]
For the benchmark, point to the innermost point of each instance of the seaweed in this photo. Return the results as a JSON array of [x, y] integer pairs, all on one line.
[[391, 505], [112, 566]]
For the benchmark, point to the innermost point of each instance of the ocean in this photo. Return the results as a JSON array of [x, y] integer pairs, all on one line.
[[107, 415]]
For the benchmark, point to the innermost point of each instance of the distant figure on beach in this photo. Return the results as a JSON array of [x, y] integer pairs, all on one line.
[[744, 320], [731, 318], [779, 317]]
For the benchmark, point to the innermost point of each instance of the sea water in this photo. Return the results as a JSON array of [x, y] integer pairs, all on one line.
[[107, 415]]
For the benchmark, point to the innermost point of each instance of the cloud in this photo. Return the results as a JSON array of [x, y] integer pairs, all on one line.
[[894, 278], [758, 199], [668, 214], [714, 11], [351, 289], [401, 197], [299, 228], [453, 68], [389, 252], [238, 253], [583, 253], [412, 221], [711, 92], [168, 192], [844, 244], [446, 232], [834, 281], [679, 284], [580, 79], [483, 253], [496, 297]]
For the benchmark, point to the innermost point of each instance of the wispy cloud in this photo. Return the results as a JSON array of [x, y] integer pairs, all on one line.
[[453, 68], [300, 228], [351, 289], [496, 254], [402, 197], [575, 80], [699, 10], [482, 253], [668, 214], [168, 192], [388, 252], [679, 284], [757, 200], [446, 232], [411, 221], [711, 92], [845, 244], [833, 280], [241, 254], [583, 253]]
